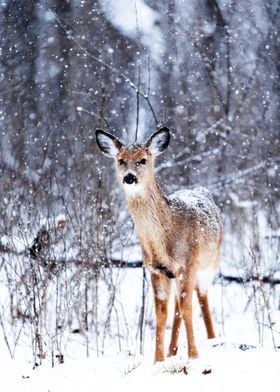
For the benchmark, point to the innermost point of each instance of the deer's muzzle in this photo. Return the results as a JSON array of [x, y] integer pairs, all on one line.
[[130, 178]]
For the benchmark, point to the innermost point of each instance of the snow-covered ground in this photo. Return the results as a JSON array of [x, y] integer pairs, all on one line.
[[242, 357], [232, 369]]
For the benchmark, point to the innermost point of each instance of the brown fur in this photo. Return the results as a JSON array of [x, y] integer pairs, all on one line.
[[182, 239], [161, 232]]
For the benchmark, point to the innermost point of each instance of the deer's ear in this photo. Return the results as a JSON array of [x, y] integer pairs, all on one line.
[[108, 143], [159, 141]]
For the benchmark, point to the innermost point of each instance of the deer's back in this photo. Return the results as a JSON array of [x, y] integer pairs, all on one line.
[[196, 208], [197, 222], [198, 205]]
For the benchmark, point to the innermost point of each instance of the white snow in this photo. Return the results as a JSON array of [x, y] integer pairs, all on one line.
[[231, 370], [193, 197], [136, 19], [236, 359]]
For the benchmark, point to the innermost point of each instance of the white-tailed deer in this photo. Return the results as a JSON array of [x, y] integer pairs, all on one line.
[[180, 235]]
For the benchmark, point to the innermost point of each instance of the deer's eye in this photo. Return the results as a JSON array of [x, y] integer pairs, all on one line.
[[121, 162], [143, 161]]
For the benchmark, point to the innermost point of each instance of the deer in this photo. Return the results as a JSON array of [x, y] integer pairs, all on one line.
[[180, 236]]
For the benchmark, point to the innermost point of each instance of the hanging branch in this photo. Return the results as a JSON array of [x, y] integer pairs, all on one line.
[[115, 263], [93, 114], [137, 115]]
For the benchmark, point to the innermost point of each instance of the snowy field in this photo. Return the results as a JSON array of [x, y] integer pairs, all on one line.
[[242, 357], [232, 369]]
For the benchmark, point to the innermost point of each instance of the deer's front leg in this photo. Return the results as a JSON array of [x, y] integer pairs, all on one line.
[[173, 346], [161, 286]]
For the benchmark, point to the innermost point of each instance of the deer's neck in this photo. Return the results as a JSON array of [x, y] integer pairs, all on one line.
[[151, 200], [151, 216]]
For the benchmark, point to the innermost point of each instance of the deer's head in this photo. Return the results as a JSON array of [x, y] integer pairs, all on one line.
[[134, 162]]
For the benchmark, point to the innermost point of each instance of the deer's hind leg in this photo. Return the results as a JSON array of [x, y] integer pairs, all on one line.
[[161, 287], [206, 314]]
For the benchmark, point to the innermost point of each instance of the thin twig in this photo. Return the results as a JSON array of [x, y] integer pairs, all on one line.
[[93, 114], [112, 68]]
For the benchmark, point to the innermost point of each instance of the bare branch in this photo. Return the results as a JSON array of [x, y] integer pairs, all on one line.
[[127, 80]]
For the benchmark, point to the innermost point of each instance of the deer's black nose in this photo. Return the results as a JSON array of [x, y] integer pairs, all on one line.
[[130, 179]]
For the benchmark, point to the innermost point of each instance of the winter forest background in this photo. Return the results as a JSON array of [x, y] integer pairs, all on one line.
[[207, 69]]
